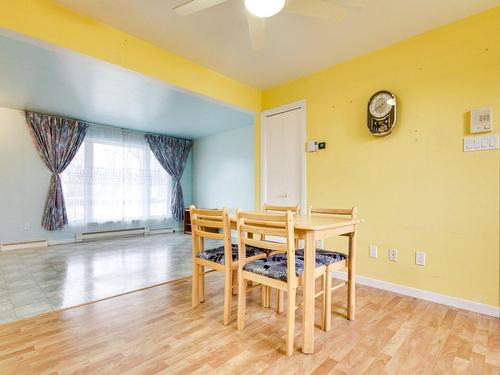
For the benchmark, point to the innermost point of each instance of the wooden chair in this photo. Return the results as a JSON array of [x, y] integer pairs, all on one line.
[[281, 270], [266, 291], [333, 261], [214, 225], [269, 208]]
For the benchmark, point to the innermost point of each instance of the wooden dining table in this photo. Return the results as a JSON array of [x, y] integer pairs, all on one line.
[[312, 228]]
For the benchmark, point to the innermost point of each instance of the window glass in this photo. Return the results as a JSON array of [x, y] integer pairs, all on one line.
[[115, 179]]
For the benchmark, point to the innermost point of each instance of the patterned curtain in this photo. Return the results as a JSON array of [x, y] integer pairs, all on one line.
[[57, 141], [172, 154]]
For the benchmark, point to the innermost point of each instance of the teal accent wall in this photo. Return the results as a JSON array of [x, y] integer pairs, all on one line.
[[223, 170]]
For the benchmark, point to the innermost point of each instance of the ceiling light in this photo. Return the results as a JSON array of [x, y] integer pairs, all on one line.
[[264, 8]]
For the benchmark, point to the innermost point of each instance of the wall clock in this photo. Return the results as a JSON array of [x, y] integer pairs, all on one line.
[[381, 113]]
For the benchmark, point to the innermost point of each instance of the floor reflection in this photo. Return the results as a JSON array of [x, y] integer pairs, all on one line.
[[39, 280]]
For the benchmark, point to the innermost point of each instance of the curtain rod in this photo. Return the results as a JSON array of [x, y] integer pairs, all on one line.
[[107, 126]]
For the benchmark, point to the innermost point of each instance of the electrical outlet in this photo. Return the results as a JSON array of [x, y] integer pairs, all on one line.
[[393, 255], [420, 258], [27, 225], [373, 251]]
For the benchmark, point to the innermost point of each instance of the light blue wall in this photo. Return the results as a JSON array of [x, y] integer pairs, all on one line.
[[24, 182], [223, 170]]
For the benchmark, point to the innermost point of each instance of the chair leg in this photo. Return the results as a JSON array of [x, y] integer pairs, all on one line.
[[195, 296], [234, 278], [201, 280], [228, 295], [328, 299], [323, 302], [268, 297], [263, 289], [279, 301], [290, 320], [242, 297]]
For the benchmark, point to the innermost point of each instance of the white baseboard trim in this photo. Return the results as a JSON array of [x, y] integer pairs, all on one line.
[[424, 294]]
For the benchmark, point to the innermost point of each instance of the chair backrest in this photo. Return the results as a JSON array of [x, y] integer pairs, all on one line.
[[270, 208], [251, 225], [211, 224], [352, 212]]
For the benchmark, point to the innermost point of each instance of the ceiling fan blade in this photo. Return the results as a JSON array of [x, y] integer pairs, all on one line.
[[334, 10], [257, 29], [193, 6]]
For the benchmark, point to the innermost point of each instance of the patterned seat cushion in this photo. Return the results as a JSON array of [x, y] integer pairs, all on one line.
[[275, 266], [217, 255], [261, 249], [325, 257]]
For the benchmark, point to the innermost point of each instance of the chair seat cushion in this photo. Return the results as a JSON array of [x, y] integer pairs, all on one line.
[[261, 249], [217, 255], [275, 266], [325, 257]]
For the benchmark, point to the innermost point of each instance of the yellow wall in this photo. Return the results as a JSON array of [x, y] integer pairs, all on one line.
[[416, 188], [50, 22]]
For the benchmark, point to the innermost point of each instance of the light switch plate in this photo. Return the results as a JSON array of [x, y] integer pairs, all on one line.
[[373, 251], [481, 142]]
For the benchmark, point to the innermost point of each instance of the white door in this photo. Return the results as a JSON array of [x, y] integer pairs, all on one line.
[[283, 155]]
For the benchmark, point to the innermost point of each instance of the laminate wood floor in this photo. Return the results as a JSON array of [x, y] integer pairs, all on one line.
[[156, 331]]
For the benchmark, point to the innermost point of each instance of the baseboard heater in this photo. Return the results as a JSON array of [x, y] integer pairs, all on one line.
[[23, 245], [161, 231], [144, 231]]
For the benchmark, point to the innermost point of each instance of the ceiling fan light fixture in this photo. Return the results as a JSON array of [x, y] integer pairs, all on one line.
[[265, 8]]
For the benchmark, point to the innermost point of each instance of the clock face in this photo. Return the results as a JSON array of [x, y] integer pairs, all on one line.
[[381, 104], [381, 113]]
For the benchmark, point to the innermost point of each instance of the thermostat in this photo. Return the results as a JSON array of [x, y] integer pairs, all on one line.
[[312, 146], [481, 120]]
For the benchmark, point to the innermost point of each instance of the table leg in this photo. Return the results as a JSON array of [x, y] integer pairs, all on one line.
[[195, 293], [309, 292], [351, 274]]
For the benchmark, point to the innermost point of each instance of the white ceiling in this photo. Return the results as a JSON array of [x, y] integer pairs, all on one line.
[[295, 46], [45, 78]]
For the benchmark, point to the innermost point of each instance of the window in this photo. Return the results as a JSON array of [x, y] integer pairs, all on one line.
[[115, 180]]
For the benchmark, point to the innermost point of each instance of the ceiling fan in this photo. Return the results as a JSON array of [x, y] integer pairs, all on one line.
[[259, 10]]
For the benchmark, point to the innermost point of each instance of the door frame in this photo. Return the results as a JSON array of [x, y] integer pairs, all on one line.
[[299, 105]]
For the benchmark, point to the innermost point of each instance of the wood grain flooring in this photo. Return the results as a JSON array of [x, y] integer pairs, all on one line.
[[156, 331]]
